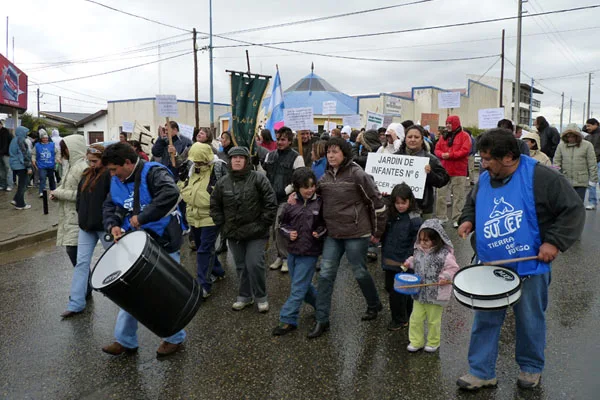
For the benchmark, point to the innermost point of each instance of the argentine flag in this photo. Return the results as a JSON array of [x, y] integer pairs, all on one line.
[[275, 109]]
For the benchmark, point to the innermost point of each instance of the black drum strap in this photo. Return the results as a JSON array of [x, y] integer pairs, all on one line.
[[136, 191]]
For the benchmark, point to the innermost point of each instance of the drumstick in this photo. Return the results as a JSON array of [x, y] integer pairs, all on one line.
[[510, 261], [423, 285]]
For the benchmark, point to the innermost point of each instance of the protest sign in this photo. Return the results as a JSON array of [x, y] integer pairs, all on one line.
[[374, 120], [299, 119], [9, 123], [388, 170], [353, 121], [489, 117], [328, 126], [449, 100], [329, 107], [387, 120], [392, 105], [187, 131], [127, 127], [166, 105]]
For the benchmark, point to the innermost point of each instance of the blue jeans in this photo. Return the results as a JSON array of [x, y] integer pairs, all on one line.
[[6, 176], [126, 327], [46, 172], [206, 259], [593, 199], [22, 182], [302, 270], [530, 321], [356, 253], [79, 285]]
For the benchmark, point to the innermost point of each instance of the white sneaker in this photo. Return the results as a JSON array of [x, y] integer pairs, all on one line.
[[590, 207], [14, 203], [8, 189], [205, 294], [412, 348], [240, 305], [284, 266], [276, 264], [41, 195], [431, 349], [26, 207], [263, 307], [455, 225]]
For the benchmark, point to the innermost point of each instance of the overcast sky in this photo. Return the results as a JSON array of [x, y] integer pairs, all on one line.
[[56, 31]]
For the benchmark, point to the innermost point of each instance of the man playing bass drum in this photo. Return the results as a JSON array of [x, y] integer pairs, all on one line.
[[151, 209]]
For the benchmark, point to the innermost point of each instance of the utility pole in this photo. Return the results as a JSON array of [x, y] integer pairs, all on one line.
[[38, 101], [589, 94], [531, 103], [158, 64], [562, 109], [59, 103], [196, 111], [584, 114], [13, 53], [502, 73], [570, 108], [517, 91], [7, 37], [210, 57]]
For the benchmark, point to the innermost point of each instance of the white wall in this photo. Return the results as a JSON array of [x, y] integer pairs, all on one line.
[[98, 125]]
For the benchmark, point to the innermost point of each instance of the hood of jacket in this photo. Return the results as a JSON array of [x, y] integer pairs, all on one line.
[[77, 148], [532, 136], [571, 128], [22, 132], [371, 138], [436, 226], [454, 121], [200, 152]]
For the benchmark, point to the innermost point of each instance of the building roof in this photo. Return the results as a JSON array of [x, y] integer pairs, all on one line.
[[92, 117], [69, 118], [312, 91]]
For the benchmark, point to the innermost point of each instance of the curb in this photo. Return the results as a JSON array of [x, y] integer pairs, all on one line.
[[23, 241]]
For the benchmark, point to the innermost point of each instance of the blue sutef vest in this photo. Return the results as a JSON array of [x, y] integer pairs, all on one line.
[[507, 224], [122, 195], [45, 155]]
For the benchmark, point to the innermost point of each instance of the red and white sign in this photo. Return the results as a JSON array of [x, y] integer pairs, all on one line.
[[13, 85]]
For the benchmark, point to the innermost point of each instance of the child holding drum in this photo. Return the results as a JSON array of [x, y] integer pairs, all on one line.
[[433, 261], [398, 243]]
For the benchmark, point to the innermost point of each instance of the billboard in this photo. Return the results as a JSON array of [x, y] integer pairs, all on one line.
[[13, 85]]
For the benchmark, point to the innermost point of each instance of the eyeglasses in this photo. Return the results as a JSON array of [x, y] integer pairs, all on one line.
[[93, 150]]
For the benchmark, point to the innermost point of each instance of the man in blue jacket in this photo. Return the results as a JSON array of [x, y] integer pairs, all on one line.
[[158, 196]]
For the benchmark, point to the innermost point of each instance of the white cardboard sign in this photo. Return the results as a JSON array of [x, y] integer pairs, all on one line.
[[449, 100], [374, 120], [127, 127], [388, 170], [353, 121], [329, 107], [489, 117], [187, 131], [166, 105], [299, 119], [328, 126]]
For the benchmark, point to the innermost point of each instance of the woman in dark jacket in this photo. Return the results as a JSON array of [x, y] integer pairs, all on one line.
[[92, 191], [243, 204], [226, 145], [366, 143], [437, 177]]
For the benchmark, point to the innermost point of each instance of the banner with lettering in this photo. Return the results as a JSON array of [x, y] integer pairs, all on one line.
[[388, 170], [247, 92]]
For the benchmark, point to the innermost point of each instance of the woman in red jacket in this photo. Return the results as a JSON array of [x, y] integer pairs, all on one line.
[[453, 150]]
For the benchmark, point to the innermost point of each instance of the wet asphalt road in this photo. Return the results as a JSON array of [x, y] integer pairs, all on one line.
[[232, 355]]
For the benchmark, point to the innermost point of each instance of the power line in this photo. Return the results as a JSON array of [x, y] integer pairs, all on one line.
[[72, 98], [428, 28], [116, 70], [568, 76], [137, 16], [306, 21]]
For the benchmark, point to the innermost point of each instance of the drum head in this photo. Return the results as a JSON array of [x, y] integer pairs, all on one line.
[[118, 259], [483, 281]]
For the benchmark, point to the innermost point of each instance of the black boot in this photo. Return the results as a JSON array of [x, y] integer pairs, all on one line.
[[319, 329], [371, 313]]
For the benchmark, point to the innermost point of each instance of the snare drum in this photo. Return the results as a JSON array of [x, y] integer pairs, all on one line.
[[139, 276], [403, 279], [483, 287]]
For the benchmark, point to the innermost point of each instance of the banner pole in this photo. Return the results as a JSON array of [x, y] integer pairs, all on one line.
[[171, 144]]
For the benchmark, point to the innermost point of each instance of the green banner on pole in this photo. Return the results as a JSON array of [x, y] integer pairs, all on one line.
[[247, 92]]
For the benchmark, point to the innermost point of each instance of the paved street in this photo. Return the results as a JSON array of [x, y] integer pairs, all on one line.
[[231, 355]]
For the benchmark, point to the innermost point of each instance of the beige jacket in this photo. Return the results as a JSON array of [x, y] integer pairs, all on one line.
[[577, 162], [66, 193]]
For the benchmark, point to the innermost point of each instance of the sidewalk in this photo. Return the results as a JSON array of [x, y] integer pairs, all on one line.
[[25, 227]]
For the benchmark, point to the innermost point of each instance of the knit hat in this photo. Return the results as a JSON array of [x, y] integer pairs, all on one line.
[[43, 135], [239, 151], [347, 130]]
